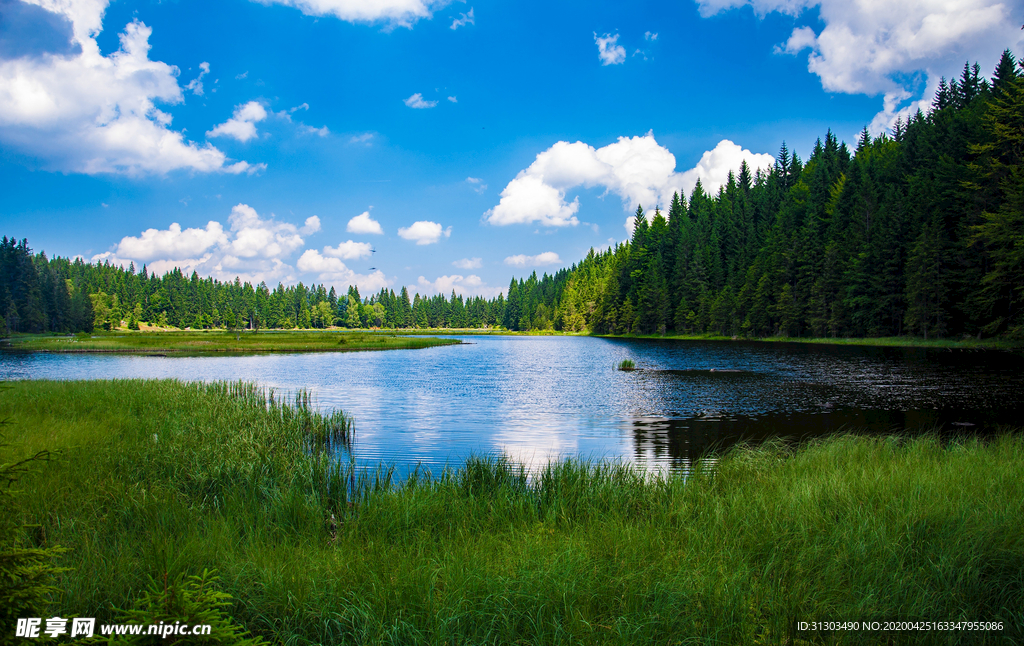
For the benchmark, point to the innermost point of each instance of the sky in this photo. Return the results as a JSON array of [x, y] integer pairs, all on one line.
[[430, 144]]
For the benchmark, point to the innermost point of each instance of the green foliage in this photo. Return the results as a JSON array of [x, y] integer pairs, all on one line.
[[193, 600], [26, 570], [889, 240]]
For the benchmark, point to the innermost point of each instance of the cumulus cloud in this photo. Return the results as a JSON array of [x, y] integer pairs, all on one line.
[[637, 169], [607, 51], [468, 263], [258, 238], [242, 125], [464, 19], [172, 243], [714, 166], [453, 99], [80, 111], [400, 13], [312, 225], [477, 184], [877, 47], [350, 250], [334, 272], [424, 232], [471, 285], [522, 260], [416, 101], [364, 224], [251, 247]]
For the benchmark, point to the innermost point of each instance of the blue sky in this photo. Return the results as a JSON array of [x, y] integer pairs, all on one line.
[[463, 142]]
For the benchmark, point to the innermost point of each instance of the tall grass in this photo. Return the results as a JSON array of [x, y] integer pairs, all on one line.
[[848, 529]]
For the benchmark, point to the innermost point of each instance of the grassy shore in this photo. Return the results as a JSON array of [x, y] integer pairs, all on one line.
[[161, 479], [218, 341], [891, 341]]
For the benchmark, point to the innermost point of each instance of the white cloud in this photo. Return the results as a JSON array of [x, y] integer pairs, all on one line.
[[252, 248], [364, 224], [365, 138], [350, 250], [466, 19], [242, 125], [650, 35], [239, 77], [416, 101], [471, 285], [310, 130], [196, 84], [880, 47], [714, 166], [607, 51], [334, 272], [400, 13], [453, 99], [172, 243], [468, 263], [88, 113], [312, 225], [522, 260], [477, 184], [637, 169], [424, 232], [256, 238]]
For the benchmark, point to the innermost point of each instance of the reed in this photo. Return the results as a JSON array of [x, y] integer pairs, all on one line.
[[847, 529], [627, 365]]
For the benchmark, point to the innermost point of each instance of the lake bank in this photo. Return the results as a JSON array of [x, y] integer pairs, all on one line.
[[162, 341], [167, 478], [878, 342], [218, 342]]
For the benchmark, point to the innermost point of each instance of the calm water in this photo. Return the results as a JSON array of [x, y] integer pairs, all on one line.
[[536, 398]]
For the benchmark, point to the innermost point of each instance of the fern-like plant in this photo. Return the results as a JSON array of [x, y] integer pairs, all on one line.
[[193, 600]]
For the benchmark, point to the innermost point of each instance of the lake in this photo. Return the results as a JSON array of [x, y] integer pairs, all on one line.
[[538, 398]]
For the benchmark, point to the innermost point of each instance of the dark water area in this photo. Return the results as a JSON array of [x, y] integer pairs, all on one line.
[[539, 398]]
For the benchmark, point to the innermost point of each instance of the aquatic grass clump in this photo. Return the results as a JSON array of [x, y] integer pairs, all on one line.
[[576, 552], [627, 364]]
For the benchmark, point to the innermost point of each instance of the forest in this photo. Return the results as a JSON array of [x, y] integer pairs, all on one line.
[[918, 232]]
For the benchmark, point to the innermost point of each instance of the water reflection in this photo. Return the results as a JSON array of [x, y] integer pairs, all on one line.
[[538, 398]]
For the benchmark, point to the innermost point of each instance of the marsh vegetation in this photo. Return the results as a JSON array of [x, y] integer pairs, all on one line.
[[210, 342]]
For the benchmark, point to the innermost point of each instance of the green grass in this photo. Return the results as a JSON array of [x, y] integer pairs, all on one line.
[[216, 341], [627, 364], [891, 341], [163, 477]]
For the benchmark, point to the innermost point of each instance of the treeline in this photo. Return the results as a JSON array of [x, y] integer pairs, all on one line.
[[39, 294], [918, 233]]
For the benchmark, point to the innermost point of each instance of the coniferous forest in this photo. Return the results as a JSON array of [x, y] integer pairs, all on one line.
[[915, 233]]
